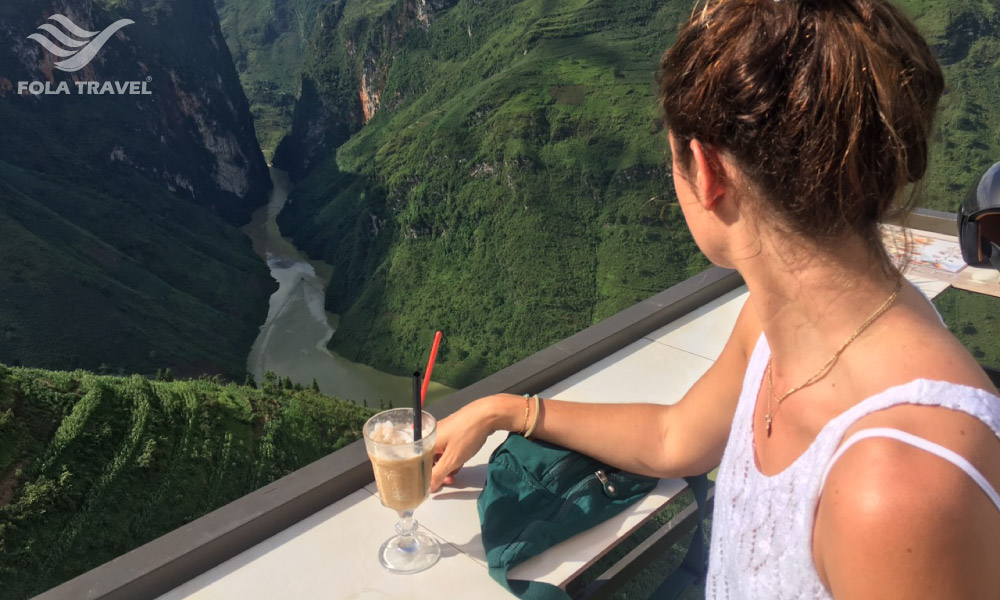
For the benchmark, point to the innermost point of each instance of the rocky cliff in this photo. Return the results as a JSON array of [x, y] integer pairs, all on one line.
[[268, 39], [192, 132], [122, 183], [345, 73]]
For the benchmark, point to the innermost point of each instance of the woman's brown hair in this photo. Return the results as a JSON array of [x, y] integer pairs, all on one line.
[[827, 105]]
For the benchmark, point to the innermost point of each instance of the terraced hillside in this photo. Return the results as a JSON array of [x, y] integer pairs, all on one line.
[[92, 467]]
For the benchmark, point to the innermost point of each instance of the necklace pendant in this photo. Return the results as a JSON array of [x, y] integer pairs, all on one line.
[[768, 419]]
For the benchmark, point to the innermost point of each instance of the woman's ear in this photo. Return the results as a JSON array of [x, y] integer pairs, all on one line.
[[710, 175]]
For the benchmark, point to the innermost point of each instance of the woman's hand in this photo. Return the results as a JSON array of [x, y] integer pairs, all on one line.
[[461, 435]]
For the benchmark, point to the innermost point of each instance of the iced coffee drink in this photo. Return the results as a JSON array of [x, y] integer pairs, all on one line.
[[402, 467]]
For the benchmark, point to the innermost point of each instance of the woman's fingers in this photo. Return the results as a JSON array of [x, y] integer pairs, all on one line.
[[459, 437], [443, 472], [448, 464], [444, 459]]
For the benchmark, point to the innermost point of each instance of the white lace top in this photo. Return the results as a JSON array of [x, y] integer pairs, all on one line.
[[761, 547]]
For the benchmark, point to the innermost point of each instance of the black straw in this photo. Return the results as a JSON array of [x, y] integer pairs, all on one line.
[[418, 416]]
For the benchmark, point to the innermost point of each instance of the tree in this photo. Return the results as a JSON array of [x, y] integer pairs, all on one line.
[[250, 381], [270, 381], [315, 386]]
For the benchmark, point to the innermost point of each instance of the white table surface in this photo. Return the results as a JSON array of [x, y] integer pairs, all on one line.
[[333, 555]]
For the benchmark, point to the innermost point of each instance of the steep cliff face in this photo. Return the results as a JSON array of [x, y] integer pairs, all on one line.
[[345, 73], [381, 47], [121, 185], [267, 39], [191, 132]]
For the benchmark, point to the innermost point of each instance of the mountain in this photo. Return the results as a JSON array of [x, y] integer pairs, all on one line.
[[118, 213], [498, 170], [965, 35], [494, 170], [92, 467], [267, 39], [345, 71]]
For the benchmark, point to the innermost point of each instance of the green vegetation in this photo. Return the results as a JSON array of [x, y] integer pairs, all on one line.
[[511, 190], [118, 213], [92, 467], [975, 320], [511, 187], [123, 283], [267, 39], [964, 35]]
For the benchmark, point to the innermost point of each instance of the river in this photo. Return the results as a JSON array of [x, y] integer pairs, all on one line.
[[293, 341]]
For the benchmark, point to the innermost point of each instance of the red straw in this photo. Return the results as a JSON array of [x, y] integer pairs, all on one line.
[[430, 367]]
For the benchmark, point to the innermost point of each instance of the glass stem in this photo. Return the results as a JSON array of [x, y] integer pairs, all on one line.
[[407, 528]]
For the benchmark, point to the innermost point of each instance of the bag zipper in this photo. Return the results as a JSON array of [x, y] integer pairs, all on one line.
[[609, 487], [572, 494], [557, 468]]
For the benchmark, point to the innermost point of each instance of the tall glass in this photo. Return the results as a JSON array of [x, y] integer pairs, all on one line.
[[403, 476]]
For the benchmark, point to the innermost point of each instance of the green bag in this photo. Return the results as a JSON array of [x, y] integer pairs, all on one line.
[[539, 494]]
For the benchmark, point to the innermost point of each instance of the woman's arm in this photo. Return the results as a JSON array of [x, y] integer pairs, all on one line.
[[651, 439]]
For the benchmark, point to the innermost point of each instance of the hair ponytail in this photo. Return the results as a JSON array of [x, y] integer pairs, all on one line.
[[827, 105]]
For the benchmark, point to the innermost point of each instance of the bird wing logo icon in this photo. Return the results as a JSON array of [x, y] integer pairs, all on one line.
[[77, 52]]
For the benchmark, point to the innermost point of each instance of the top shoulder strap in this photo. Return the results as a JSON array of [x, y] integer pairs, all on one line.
[[908, 438]]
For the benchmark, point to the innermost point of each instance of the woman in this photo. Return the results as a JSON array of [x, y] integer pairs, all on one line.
[[795, 127]]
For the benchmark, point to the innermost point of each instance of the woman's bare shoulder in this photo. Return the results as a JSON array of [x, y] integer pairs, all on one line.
[[898, 521]]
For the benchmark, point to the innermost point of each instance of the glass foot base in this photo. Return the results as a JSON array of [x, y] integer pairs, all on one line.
[[400, 555]]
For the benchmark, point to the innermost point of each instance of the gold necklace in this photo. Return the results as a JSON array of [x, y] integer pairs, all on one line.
[[829, 364]]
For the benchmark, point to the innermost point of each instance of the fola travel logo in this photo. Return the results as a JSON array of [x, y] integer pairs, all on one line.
[[78, 53], [78, 47]]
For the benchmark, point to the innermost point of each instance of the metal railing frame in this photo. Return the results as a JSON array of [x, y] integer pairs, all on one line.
[[640, 557]]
